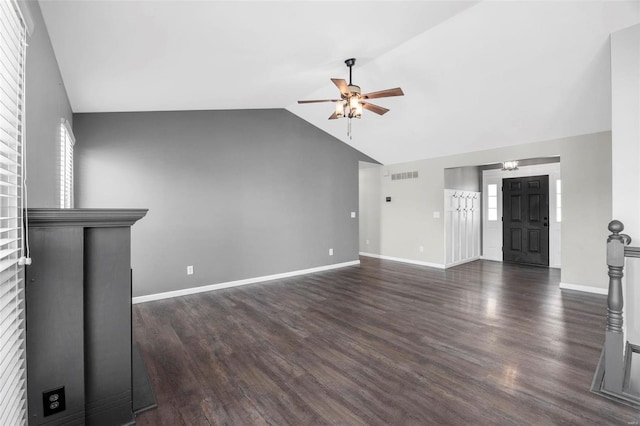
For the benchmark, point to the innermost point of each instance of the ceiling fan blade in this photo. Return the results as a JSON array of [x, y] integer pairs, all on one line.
[[334, 116], [342, 85], [383, 93], [318, 100], [374, 108]]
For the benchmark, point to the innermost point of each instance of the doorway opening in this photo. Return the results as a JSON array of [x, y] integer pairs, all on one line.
[[494, 237]]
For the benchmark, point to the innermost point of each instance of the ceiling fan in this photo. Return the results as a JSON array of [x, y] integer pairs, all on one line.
[[352, 100]]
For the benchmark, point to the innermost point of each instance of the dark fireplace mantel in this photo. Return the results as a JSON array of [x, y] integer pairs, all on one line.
[[78, 304], [40, 217]]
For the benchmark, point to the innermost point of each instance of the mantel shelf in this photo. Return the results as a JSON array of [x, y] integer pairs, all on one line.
[[48, 217]]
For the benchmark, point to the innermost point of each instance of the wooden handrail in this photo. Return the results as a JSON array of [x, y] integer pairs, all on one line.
[[632, 251]]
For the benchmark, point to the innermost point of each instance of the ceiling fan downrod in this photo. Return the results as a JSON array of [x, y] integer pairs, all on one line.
[[354, 91], [350, 63]]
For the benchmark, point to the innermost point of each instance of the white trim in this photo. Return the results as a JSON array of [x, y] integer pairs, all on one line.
[[399, 259], [211, 287], [27, 16], [584, 288], [69, 129], [460, 262]]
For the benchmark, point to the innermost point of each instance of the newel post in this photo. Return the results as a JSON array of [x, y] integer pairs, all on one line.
[[614, 343]]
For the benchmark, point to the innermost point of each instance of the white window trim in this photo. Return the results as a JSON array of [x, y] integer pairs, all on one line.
[[65, 172]]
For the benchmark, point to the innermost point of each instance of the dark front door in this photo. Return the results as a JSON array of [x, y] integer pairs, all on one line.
[[525, 220]]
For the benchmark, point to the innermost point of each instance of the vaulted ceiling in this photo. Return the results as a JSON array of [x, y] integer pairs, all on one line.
[[476, 75]]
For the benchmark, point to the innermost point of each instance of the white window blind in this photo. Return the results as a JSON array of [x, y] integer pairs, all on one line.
[[12, 319], [67, 140]]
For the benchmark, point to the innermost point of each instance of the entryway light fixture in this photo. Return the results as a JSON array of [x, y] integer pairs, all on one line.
[[510, 166]]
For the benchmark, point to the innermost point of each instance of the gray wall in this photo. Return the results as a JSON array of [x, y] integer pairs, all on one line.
[[47, 103], [236, 194], [625, 88], [408, 221], [466, 178]]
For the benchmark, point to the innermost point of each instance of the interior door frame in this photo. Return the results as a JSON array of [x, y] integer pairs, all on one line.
[[492, 231]]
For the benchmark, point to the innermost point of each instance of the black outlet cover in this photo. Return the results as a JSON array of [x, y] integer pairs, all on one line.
[[53, 401], [388, 199]]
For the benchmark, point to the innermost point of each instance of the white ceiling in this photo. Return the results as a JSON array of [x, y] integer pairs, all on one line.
[[476, 75]]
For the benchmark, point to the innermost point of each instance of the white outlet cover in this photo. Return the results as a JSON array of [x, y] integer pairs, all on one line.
[[353, 215], [436, 215], [190, 270], [421, 248], [330, 252], [367, 241]]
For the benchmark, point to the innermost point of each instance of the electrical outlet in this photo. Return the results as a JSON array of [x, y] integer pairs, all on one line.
[[421, 248], [330, 252], [367, 242], [53, 401], [353, 215], [190, 270]]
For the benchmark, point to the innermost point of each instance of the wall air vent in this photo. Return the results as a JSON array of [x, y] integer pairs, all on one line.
[[404, 175]]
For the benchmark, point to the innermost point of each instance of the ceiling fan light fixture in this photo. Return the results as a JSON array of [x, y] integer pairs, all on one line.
[[339, 109], [353, 103], [358, 110]]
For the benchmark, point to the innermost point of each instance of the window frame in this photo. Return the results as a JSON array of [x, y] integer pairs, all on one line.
[[65, 167]]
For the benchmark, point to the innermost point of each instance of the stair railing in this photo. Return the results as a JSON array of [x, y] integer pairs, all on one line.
[[614, 339], [613, 374]]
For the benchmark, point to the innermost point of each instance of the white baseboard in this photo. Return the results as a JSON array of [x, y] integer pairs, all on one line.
[[211, 287], [460, 262], [490, 258], [400, 259], [584, 288]]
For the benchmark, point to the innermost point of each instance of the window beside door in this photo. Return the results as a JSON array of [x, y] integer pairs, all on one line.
[[492, 202], [558, 200]]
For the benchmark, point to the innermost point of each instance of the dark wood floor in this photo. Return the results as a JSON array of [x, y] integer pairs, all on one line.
[[381, 344]]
